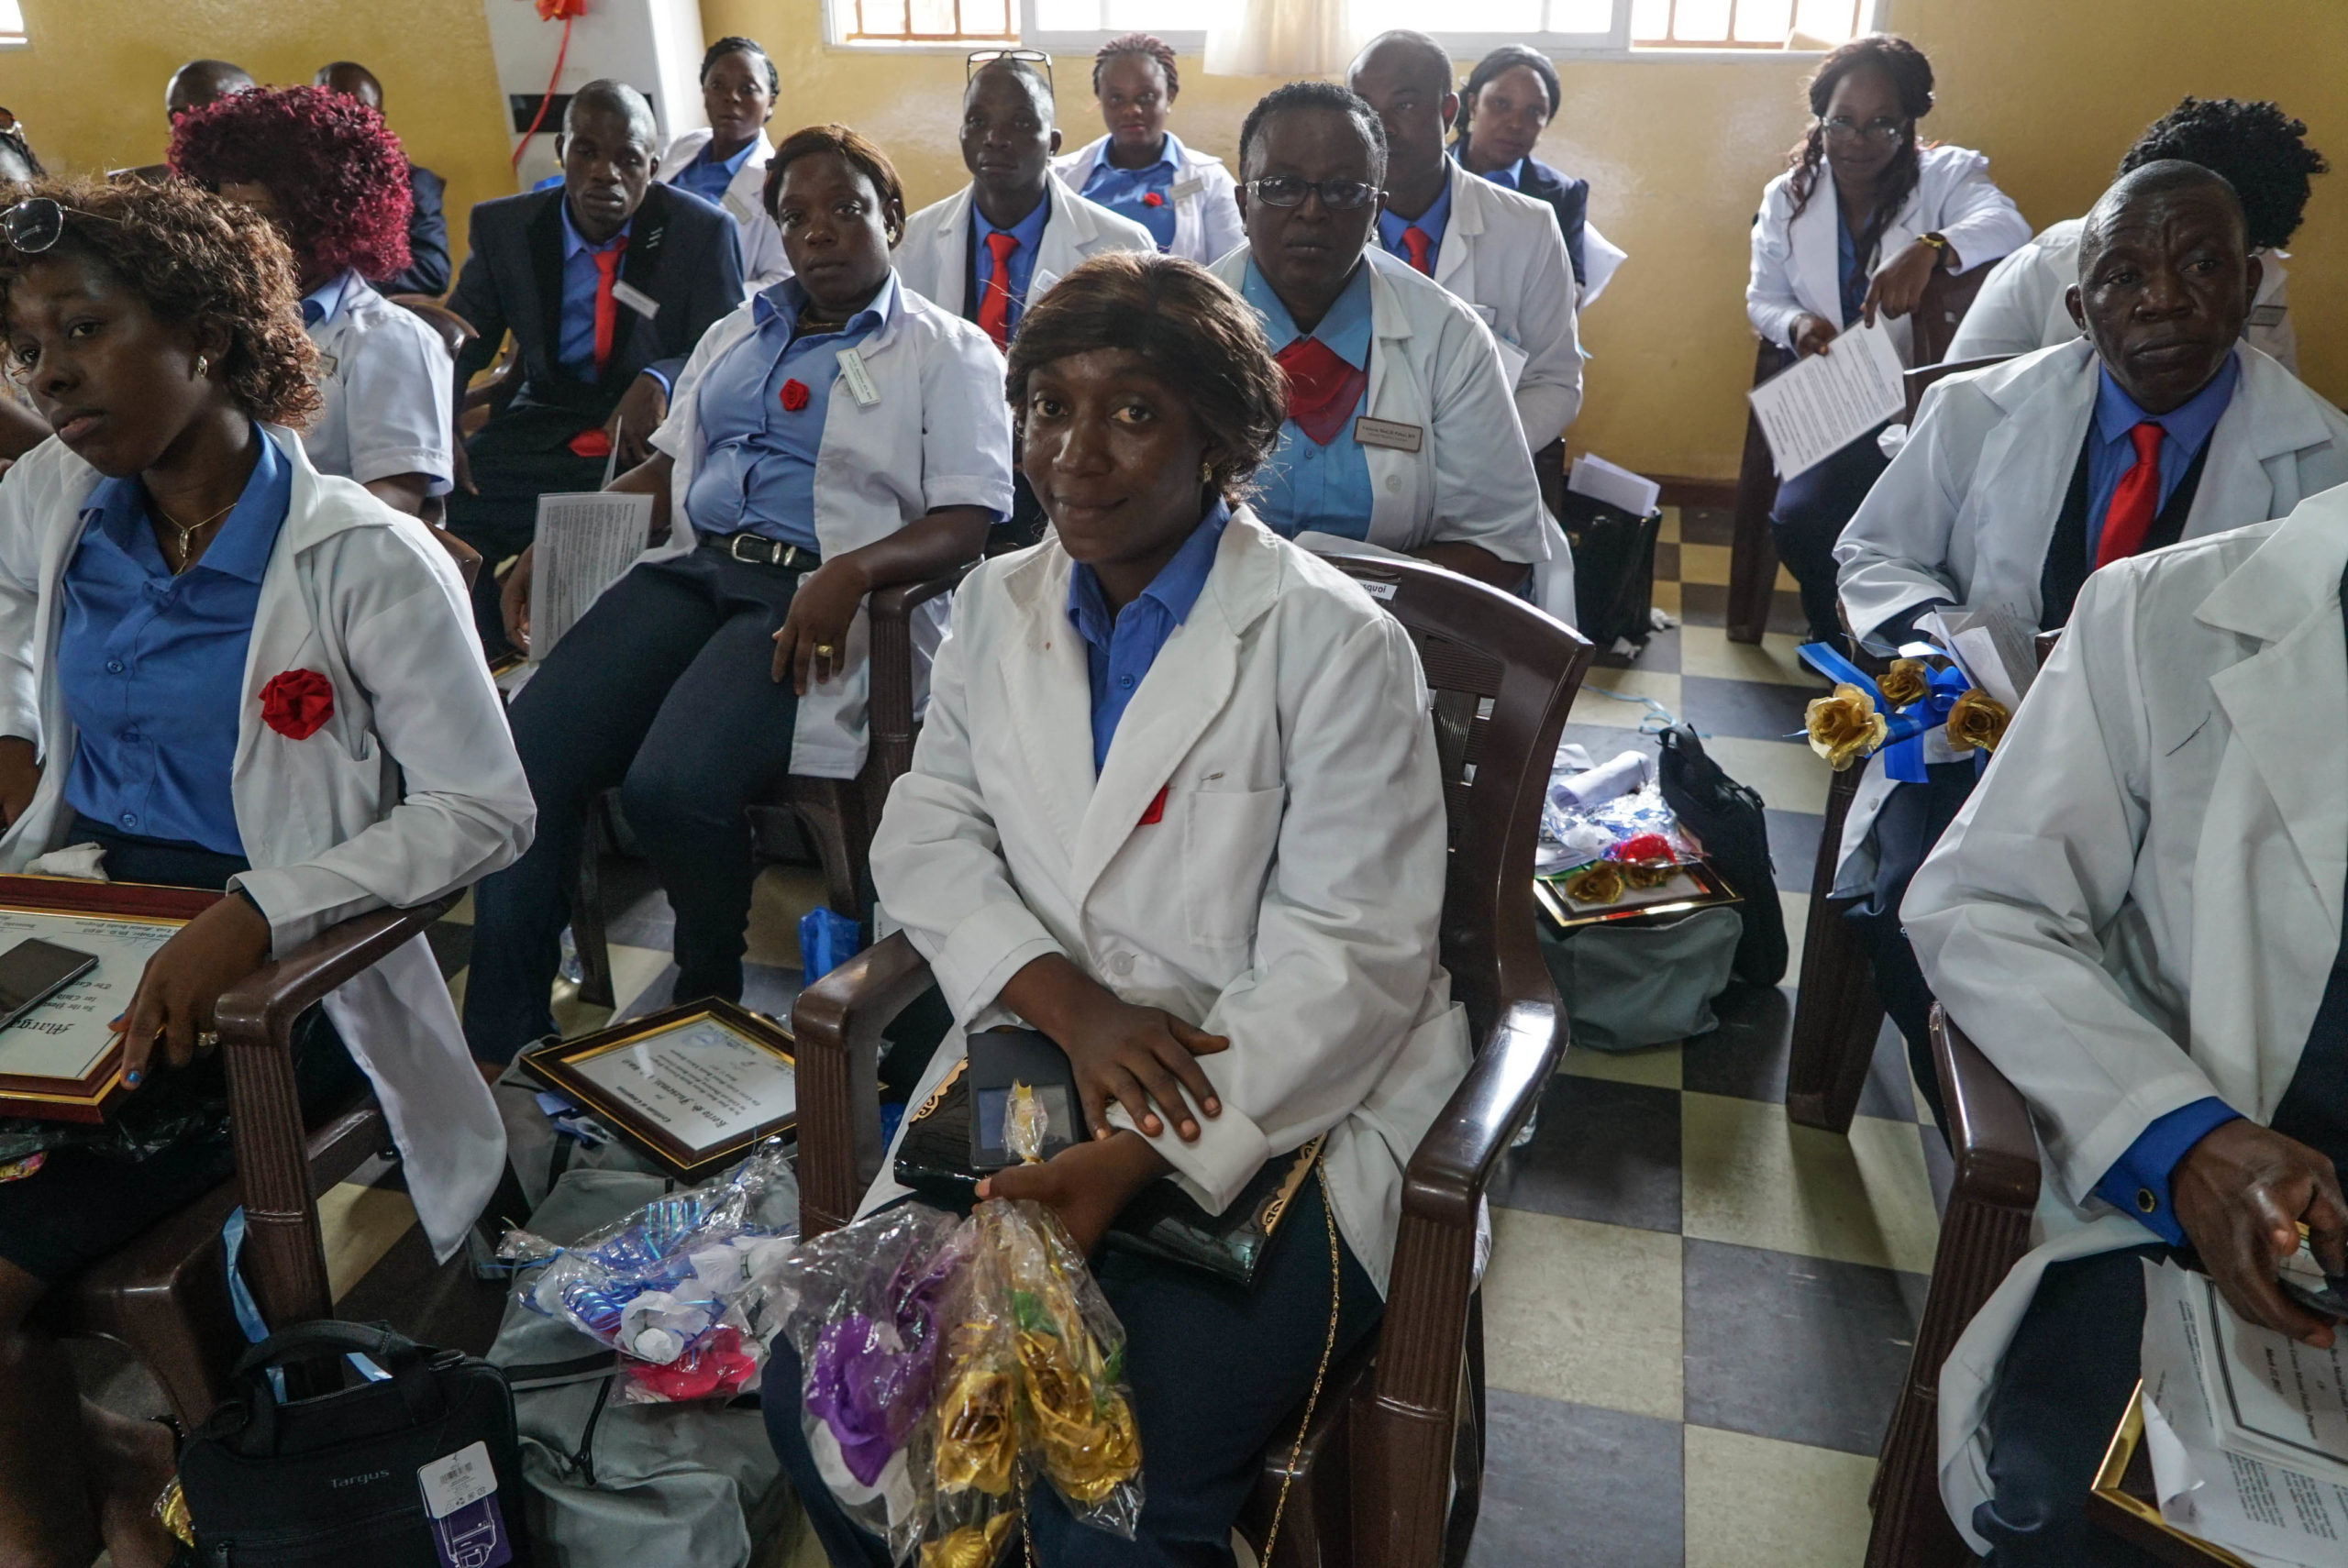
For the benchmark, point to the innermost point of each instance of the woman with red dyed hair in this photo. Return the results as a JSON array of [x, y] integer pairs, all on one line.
[[329, 174]]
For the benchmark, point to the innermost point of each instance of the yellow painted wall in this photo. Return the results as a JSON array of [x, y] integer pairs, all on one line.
[[90, 89], [1677, 150]]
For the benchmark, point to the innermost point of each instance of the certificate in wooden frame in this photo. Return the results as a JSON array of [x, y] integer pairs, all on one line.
[[570, 1068], [89, 1097], [2123, 1501]]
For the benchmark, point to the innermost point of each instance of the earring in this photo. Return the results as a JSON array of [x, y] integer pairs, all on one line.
[[202, 364]]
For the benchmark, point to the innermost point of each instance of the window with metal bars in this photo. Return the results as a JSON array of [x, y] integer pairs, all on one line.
[[1746, 23]]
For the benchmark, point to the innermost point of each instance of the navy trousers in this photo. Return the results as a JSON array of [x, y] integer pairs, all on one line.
[[1912, 822], [501, 516], [1212, 1369], [665, 690], [1811, 508]]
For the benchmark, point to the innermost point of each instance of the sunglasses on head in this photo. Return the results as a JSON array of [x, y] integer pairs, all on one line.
[[36, 223], [1034, 56]]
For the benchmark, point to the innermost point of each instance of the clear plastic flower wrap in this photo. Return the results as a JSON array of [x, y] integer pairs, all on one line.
[[869, 1310], [673, 1286], [1583, 834], [966, 1453]]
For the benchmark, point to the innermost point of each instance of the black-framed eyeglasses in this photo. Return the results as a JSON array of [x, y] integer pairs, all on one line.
[[1290, 190], [984, 57], [1841, 127]]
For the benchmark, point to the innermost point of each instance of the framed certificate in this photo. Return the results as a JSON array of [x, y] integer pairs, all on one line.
[[61, 1062], [694, 1087], [2124, 1502], [1692, 887]]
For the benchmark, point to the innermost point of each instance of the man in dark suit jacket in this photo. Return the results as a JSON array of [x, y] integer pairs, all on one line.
[[607, 281], [428, 226]]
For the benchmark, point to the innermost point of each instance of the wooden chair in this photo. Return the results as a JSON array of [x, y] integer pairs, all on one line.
[[837, 814], [1983, 1234], [1753, 556], [164, 1296], [1390, 1475], [1837, 1014]]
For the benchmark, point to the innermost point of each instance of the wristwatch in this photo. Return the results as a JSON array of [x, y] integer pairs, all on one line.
[[1939, 242]]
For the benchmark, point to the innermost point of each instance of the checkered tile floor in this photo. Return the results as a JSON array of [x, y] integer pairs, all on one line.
[[1697, 1313]]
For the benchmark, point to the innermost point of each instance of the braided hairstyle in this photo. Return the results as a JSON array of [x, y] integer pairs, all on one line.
[[2262, 153], [1911, 75], [1157, 48]]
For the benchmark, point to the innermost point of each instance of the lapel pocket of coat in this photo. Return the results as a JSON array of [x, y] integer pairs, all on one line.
[[1228, 840]]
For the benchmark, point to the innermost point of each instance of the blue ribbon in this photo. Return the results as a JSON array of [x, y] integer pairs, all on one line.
[[1903, 746]]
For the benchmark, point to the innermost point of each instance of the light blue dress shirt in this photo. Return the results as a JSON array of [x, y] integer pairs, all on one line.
[[152, 667], [1120, 648], [707, 177], [1430, 223], [1512, 176], [1306, 485], [324, 303], [757, 473], [1853, 277], [1126, 192], [575, 349], [1029, 232], [2186, 429]]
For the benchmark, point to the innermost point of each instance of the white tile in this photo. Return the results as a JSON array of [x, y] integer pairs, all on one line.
[[1667, 599], [1583, 1311], [360, 1224], [1756, 1502], [1669, 533], [1656, 1066], [1797, 912], [463, 910], [1706, 650], [632, 969], [1787, 773], [1591, 706], [1748, 1175], [1704, 563]]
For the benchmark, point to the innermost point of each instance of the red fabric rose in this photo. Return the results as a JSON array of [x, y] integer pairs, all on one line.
[[794, 395], [297, 703], [1152, 199]]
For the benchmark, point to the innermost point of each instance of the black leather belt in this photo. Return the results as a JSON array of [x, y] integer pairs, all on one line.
[[759, 550]]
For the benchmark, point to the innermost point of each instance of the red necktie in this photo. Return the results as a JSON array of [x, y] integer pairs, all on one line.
[[607, 321], [994, 305], [2134, 501], [1322, 390], [1415, 241]]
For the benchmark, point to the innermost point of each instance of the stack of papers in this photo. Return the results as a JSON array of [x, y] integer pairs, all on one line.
[[1613, 485], [1993, 645], [1828, 401], [2247, 1430], [584, 542]]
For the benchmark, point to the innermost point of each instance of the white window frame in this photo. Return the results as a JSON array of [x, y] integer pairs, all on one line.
[[12, 37], [1612, 44]]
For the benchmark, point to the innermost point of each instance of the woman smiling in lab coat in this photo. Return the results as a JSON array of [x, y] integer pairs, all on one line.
[[227, 670], [1177, 806]]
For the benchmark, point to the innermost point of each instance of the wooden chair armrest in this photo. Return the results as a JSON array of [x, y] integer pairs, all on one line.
[[1452, 1164], [890, 714], [1990, 1137], [837, 1022], [263, 1006]]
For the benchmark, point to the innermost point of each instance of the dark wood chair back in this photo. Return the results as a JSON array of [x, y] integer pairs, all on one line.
[[1915, 382], [1982, 1235], [1947, 296], [454, 330]]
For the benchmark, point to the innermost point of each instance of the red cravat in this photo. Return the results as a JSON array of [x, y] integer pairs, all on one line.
[[1415, 241], [994, 305], [2135, 501], [607, 321], [1322, 390]]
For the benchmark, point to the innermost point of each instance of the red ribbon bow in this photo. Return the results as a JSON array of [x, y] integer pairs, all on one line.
[[794, 395], [297, 703]]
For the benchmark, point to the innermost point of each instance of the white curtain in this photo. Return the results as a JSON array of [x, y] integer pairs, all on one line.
[[1279, 37]]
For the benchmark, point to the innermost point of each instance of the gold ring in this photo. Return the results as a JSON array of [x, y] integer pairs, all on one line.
[[823, 650], [207, 1041]]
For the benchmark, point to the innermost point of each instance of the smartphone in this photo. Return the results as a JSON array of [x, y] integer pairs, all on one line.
[[2304, 1280], [33, 971]]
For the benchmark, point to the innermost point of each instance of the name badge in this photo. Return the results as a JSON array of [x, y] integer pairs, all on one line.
[[2267, 316], [1401, 437], [737, 208], [858, 379], [1184, 190], [327, 364], [636, 299]]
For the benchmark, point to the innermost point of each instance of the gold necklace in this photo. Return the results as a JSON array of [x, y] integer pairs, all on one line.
[[187, 531]]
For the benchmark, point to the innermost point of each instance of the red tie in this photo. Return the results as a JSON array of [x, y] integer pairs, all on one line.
[[994, 305], [607, 267], [2134, 501], [1415, 241], [1322, 390]]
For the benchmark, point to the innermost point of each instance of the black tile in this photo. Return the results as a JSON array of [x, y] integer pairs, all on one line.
[[1890, 1090], [1659, 654], [1755, 710], [1706, 604], [1666, 561], [1601, 1151], [765, 988], [1745, 1057], [635, 912], [452, 945], [1793, 847], [1800, 1349], [1573, 1486], [434, 1304], [1939, 1170], [1706, 525]]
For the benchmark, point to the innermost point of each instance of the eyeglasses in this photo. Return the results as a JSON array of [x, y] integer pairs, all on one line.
[[33, 225], [984, 57], [1841, 127], [1288, 191]]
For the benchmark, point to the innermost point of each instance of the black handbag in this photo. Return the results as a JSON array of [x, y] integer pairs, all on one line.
[[1614, 568], [1164, 1222], [1729, 819], [419, 1468]]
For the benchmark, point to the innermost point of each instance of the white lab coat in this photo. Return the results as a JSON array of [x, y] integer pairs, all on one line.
[[1501, 253], [937, 434], [411, 791], [1966, 510], [1795, 268], [1434, 367], [1288, 898], [386, 393], [744, 201], [934, 259], [2141, 904], [1206, 208], [2021, 305]]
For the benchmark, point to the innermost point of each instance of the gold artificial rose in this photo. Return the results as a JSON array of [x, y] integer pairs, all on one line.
[[1600, 882], [972, 1546], [977, 1440], [1906, 681], [1844, 728], [1978, 720]]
